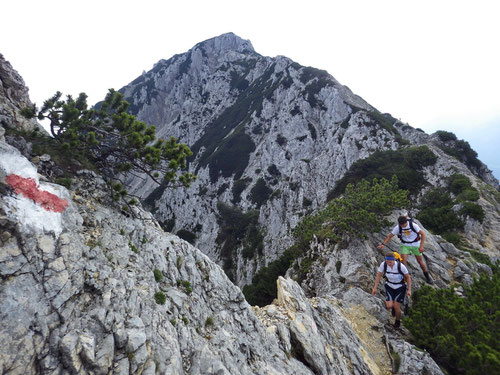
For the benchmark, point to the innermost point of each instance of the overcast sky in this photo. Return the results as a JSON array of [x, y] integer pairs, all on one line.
[[434, 64]]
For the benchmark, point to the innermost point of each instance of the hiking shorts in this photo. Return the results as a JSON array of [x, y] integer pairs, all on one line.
[[397, 295], [410, 250]]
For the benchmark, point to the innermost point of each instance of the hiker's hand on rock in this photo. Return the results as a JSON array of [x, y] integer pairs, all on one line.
[[374, 291], [380, 246]]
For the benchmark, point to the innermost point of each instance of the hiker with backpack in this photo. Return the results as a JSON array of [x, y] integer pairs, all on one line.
[[412, 242], [397, 285]]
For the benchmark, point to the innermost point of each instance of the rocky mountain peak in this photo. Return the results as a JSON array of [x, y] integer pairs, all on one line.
[[271, 138], [224, 43]]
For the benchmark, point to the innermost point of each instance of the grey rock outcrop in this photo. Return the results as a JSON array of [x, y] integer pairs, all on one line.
[[13, 97], [90, 290], [81, 296]]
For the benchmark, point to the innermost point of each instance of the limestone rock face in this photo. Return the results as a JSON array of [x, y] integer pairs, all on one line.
[[97, 292], [270, 139], [13, 97], [86, 289]]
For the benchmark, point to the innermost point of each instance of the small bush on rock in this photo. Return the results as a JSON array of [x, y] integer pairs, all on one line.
[[160, 298]]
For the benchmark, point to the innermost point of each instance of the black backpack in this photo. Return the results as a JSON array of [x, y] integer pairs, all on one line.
[[399, 271], [412, 228]]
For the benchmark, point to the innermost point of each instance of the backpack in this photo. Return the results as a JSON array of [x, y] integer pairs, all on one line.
[[412, 228], [399, 270]]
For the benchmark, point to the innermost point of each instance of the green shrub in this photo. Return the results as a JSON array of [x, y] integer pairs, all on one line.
[[273, 170], [238, 187], [473, 211], [64, 181], [436, 198], [445, 136], [281, 140], [186, 285], [158, 275], [237, 228], [406, 164], [468, 195], [440, 220], [260, 192], [458, 183], [360, 209], [133, 248], [452, 237], [462, 151], [338, 265], [160, 298], [461, 334], [209, 322]]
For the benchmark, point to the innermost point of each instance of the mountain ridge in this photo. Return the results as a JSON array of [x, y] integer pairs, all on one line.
[[267, 133]]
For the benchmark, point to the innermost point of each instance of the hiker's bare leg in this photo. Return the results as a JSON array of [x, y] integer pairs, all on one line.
[[420, 260], [405, 257], [397, 308], [389, 304]]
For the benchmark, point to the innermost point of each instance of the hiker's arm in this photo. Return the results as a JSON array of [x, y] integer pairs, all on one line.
[[377, 279], [422, 240], [408, 282], [385, 241]]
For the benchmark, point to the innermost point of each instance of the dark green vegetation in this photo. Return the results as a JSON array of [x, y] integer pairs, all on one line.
[[238, 187], [227, 146], [160, 298], [362, 207], [114, 141], [459, 149], [443, 214], [405, 163], [314, 80], [461, 333], [386, 121], [187, 236], [158, 275], [238, 228], [260, 193]]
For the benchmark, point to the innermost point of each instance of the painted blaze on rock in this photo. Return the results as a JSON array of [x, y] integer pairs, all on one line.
[[29, 189]]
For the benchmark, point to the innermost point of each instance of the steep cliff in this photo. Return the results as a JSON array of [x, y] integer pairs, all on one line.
[[271, 139]]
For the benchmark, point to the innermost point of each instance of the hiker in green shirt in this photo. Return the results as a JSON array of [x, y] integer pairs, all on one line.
[[412, 242]]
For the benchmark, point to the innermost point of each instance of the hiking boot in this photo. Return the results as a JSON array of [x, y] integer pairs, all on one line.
[[428, 278], [397, 324], [393, 312]]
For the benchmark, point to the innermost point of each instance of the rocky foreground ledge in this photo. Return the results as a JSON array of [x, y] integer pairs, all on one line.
[[88, 290]]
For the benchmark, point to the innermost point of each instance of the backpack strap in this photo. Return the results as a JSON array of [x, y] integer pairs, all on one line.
[[400, 271], [412, 228]]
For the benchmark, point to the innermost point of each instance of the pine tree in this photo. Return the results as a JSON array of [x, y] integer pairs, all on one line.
[[114, 141]]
